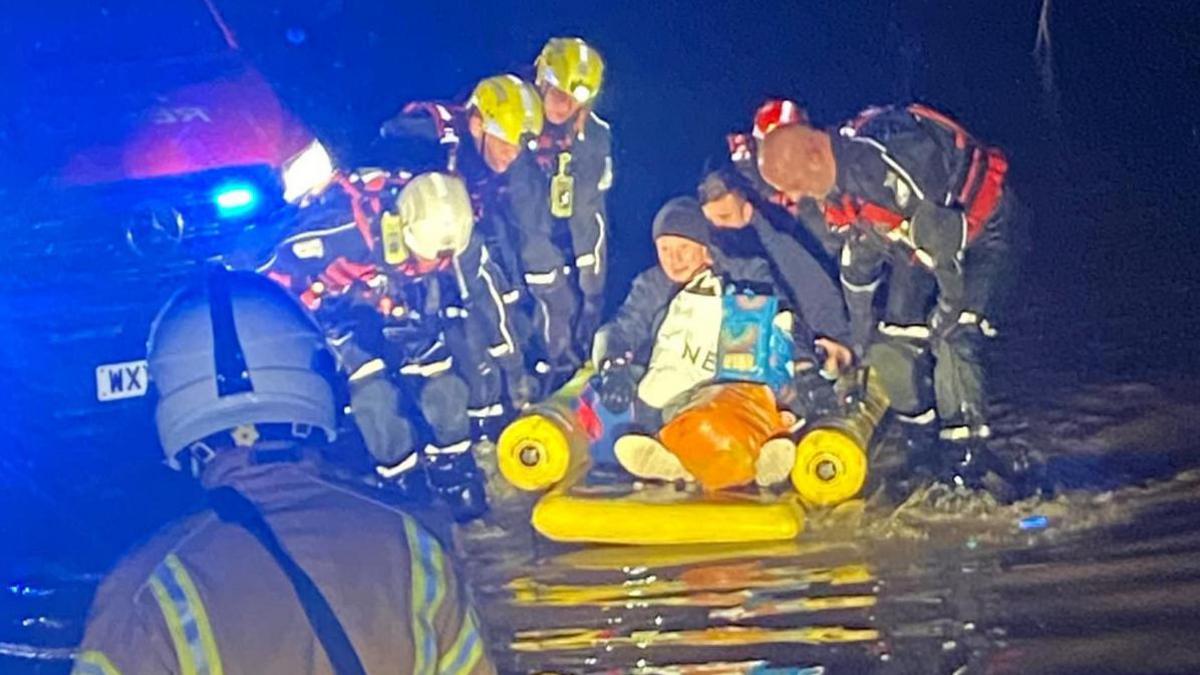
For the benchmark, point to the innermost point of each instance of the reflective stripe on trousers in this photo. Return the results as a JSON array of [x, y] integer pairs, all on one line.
[[187, 620]]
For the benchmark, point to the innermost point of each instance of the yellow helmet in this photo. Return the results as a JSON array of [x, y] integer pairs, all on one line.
[[572, 65], [510, 107]]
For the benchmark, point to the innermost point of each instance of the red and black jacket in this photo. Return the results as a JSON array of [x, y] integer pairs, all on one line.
[[333, 261], [918, 179]]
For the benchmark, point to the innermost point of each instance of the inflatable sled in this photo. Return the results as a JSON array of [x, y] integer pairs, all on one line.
[[552, 446]]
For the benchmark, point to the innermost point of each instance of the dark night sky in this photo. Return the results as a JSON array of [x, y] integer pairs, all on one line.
[[1113, 170]]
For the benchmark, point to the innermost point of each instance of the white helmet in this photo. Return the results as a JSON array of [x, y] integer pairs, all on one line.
[[237, 350], [435, 215]]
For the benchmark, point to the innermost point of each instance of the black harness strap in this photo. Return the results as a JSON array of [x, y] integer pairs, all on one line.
[[233, 507]]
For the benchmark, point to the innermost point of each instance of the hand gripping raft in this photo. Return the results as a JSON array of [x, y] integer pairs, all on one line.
[[831, 453]]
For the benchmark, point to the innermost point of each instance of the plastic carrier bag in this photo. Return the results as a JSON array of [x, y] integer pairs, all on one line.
[[718, 432]]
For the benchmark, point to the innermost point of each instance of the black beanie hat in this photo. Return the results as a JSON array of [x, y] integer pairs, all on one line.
[[682, 217]]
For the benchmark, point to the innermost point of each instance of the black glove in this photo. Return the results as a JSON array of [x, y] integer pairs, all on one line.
[[815, 395], [617, 385]]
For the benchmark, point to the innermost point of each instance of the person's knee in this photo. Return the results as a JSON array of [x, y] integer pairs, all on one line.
[[905, 371], [387, 434], [444, 404]]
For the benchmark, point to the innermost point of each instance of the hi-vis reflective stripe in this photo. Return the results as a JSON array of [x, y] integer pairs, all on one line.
[[93, 663], [428, 591], [191, 633], [912, 332], [464, 654], [499, 350], [502, 316], [892, 163], [598, 249], [367, 369], [407, 464], [428, 369], [455, 449], [494, 410], [541, 278], [861, 288]]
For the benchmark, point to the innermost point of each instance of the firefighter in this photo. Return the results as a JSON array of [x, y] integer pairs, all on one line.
[[484, 141], [743, 153], [414, 309], [574, 161], [285, 572], [920, 202]]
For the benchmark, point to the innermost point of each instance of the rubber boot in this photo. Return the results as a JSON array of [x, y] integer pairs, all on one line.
[[411, 485], [457, 481]]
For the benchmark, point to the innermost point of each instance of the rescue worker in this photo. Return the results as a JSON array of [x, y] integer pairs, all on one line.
[[285, 572], [745, 225], [483, 141], [413, 307], [921, 202], [574, 161], [743, 153], [663, 340], [772, 113]]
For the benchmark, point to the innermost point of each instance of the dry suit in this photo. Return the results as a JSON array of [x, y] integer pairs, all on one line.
[[573, 162], [518, 234], [926, 207], [425, 349]]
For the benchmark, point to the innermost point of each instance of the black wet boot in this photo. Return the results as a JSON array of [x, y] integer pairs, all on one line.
[[458, 482], [411, 485]]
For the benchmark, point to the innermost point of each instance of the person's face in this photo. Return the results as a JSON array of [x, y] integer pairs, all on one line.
[[681, 258], [731, 211], [498, 153], [559, 106]]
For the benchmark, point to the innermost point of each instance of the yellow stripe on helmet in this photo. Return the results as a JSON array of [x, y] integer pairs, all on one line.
[[509, 107]]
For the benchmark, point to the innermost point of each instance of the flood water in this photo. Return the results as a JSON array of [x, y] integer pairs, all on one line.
[[1103, 576], [1090, 581]]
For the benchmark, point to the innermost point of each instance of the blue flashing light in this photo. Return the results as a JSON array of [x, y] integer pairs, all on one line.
[[236, 199]]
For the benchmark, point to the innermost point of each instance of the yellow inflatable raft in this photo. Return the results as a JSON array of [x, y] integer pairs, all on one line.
[[663, 514]]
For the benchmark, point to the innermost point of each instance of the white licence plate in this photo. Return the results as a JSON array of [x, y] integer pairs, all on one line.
[[115, 381]]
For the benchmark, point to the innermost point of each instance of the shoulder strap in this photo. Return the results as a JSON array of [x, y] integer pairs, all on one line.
[[233, 507]]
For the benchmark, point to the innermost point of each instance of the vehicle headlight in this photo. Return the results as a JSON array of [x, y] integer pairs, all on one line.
[[309, 170]]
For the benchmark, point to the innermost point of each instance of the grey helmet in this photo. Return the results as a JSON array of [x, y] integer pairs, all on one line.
[[232, 351]]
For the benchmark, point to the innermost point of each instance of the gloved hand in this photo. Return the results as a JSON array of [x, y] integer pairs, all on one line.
[[943, 321], [617, 385], [814, 394], [523, 389]]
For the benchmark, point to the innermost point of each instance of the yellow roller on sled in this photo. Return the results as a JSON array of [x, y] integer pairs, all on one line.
[[548, 448]]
